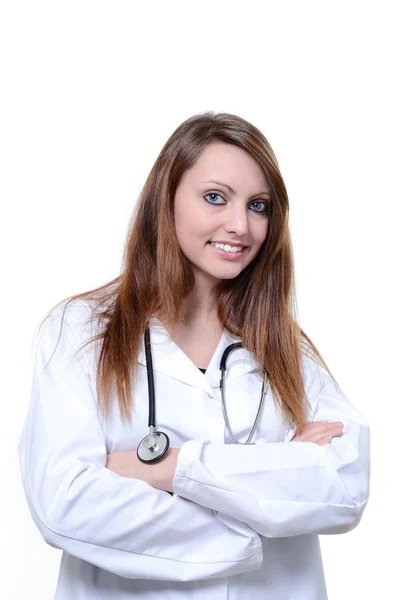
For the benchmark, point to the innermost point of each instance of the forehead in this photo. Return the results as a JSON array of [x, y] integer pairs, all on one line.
[[229, 164]]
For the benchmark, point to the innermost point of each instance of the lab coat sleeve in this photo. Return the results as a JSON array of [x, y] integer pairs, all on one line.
[[119, 524], [287, 488]]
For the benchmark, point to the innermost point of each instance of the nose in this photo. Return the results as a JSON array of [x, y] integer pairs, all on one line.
[[236, 219]]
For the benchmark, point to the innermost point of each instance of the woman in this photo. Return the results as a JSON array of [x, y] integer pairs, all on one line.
[[208, 263]]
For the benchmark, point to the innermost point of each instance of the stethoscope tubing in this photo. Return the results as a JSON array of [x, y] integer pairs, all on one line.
[[150, 378], [154, 445], [248, 441]]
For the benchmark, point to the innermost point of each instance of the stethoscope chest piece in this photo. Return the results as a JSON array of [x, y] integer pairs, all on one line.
[[153, 447]]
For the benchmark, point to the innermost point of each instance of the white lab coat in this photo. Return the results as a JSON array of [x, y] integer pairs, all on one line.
[[244, 520]]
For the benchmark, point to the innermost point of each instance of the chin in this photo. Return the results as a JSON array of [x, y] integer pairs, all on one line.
[[227, 273], [219, 274]]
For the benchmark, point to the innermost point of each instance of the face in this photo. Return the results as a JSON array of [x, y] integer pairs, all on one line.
[[221, 212]]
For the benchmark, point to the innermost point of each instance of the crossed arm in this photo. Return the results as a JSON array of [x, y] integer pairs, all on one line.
[[84, 501], [160, 474]]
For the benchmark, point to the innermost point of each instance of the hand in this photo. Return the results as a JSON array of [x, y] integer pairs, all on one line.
[[159, 475], [320, 432]]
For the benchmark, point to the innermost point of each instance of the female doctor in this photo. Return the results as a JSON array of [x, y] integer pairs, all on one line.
[[185, 438]]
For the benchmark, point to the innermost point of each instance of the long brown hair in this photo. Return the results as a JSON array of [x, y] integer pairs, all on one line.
[[259, 305]]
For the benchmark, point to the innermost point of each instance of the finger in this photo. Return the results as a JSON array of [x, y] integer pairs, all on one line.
[[314, 431], [322, 425], [327, 439], [321, 428], [323, 436]]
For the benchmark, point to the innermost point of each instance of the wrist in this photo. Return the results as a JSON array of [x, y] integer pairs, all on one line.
[[163, 471]]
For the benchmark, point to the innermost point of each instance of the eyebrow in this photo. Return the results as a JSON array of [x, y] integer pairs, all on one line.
[[230, 188]]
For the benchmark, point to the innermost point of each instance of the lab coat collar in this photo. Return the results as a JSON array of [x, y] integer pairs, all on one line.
[[168, 358]]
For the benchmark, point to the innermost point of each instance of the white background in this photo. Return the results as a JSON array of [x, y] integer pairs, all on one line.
[[90, 92]]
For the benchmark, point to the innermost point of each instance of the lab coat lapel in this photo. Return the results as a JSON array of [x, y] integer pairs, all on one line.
[[169, 359], [239, 362]]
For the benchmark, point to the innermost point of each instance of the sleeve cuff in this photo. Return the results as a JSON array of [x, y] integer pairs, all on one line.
[[190, 452]]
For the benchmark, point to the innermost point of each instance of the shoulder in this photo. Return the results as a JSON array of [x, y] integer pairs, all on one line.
[[72, 316], [68, 326], [317, 381]]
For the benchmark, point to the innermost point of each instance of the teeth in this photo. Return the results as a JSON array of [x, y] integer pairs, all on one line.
[[227, 248]]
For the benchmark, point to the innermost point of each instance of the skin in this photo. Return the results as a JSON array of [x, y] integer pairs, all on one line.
[[205, 212], [208, 211]]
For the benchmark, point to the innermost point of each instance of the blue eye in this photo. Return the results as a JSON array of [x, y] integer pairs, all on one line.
[[259, 206], [212, 201]]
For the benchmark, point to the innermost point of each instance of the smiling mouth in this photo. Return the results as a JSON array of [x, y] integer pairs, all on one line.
[[227, 247]]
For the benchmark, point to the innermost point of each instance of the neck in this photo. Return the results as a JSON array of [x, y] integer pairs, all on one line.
[[200, 306]]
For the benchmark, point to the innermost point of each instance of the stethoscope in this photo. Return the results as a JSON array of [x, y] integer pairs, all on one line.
[[154, 445]]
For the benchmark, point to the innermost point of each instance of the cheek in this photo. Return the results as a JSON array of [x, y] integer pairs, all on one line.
[[189, 227], [261, 229], [265, 230], [182, 222], [191, 223]]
